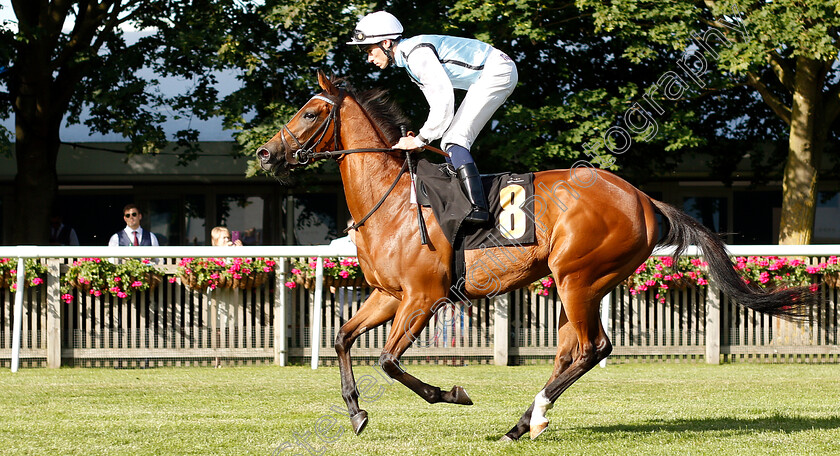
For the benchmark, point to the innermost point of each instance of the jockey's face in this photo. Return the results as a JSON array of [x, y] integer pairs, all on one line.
[[377, 56]]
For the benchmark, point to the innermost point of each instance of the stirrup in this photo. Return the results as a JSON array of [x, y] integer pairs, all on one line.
[[477, 216]]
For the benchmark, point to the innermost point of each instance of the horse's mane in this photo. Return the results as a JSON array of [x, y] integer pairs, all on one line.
[[384, 112]]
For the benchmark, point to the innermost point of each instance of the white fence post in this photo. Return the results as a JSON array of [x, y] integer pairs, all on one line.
[[605, 320], [21, 272], [281, 300], [713, 324], [54, 311], [501, 329], [317, 304]]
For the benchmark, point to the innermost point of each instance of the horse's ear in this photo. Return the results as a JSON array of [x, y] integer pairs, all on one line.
[[326, 84]]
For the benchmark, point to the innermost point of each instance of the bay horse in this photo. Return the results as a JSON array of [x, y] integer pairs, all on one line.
[[591, 241]]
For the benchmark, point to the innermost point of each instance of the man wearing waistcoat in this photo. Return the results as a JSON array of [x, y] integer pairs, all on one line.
[[133, 233]]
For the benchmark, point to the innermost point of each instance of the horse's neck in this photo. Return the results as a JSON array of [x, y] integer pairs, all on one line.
[[367, 177]]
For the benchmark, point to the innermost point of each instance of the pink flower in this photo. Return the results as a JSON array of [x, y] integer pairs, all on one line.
[[37, 281], [121, 294], [266, 269], [667, 261], [137, 284], [290, 284], [329, 264], [344, 274], [173, 279], [702, 281], [832, 259], [214, 275], [650, 283], [641, 268], [237, 276], [812, 269], [313, 264], [68, 298], [764, 277], [814, 287], [295, 271]]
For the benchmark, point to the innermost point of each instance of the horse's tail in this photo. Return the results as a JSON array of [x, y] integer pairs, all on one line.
[[683, 231]]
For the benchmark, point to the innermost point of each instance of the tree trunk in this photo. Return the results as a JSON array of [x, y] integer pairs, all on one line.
[[799, 186], [36, 186]]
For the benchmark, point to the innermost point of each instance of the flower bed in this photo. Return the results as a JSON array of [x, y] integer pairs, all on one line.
[[659, 276], [97, 277], [212, 273], [338, 272], [34, 272]]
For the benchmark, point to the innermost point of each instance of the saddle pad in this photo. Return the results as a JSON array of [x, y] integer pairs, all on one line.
[[509, 198]]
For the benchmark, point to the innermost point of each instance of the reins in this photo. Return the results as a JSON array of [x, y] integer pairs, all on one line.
[[306, 153]]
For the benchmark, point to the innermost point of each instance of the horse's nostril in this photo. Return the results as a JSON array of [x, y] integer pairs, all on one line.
[[263, 154]]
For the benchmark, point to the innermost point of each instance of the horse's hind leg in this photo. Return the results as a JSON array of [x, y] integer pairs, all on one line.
[[592, 346], [567, 345], [377, 309], [408, 324]]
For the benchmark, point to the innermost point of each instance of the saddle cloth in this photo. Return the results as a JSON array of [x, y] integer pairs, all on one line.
[[509, 199]]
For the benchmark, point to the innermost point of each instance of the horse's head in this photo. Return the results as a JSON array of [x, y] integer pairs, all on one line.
[[306, 132]]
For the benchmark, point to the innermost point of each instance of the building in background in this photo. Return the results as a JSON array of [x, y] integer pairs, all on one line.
[[182, 203]]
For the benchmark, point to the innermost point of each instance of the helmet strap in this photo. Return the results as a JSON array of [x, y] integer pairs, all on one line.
[[389, 52]]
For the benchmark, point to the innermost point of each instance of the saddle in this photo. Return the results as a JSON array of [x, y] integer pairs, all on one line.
[[510, 199]]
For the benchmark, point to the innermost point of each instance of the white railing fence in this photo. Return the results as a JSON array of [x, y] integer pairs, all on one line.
[[281, 324]]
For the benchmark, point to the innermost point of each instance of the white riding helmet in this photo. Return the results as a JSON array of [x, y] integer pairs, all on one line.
[[376, 27]]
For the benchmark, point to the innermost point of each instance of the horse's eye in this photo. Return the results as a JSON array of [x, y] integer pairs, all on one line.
[[309, 116]]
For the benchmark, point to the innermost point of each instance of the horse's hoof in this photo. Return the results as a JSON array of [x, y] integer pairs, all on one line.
[[507, 439], [459, 395], [359, 422], [538, 429]]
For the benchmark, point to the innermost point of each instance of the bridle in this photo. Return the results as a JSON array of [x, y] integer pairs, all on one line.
[[306, 151]]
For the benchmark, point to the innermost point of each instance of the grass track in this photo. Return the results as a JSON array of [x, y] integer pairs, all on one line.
[[737, 409]]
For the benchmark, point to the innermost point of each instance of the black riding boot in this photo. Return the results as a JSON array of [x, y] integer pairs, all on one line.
[[471, 181]]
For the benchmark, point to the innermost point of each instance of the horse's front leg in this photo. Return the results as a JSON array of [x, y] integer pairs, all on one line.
[[412, 317], [377, 309]]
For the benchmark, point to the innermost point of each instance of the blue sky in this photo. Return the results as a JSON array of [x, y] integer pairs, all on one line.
[[210, 130]]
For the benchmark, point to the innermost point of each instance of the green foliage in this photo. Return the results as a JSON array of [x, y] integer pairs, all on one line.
[[337, 268], [97, 276], [201, 273], [34, 271]]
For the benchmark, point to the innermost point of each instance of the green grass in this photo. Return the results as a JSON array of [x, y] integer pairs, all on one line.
[[736, 409]]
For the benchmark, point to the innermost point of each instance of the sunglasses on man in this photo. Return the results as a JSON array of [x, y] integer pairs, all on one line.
[[130, 214]]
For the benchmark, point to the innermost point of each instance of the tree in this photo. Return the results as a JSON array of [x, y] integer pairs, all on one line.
[[785, 51], [71, 56]]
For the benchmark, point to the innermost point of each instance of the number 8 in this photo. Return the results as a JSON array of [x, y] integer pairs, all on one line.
[[512, 219]]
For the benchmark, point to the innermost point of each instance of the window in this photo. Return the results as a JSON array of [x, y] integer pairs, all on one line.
[[243, 215], [708, 210], [827, 219], [315, 218]]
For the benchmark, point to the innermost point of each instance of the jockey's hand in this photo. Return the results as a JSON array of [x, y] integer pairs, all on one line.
[[408, 143]]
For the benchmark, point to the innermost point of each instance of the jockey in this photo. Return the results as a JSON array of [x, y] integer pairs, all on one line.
[[439, 64]]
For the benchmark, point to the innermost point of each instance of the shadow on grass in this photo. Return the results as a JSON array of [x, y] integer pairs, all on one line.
[[776, 422], [773, 423]]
